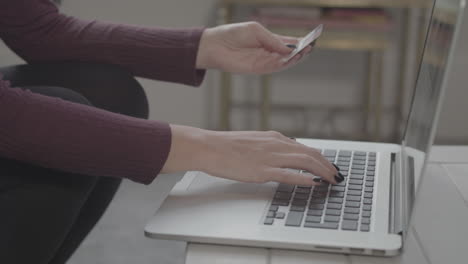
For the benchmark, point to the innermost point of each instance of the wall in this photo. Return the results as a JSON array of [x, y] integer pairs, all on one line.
[[200, 104]]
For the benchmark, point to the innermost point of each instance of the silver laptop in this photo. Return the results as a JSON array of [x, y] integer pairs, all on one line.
[[368, 213]]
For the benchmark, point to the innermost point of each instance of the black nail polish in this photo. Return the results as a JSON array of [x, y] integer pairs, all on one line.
[[338, 179], [317, 179], [336, 167], [292, 46], [293, 138]]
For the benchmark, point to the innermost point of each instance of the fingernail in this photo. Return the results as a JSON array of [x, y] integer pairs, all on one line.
[[338, 179], [317, 179], [292, 46], [292, 138], [336, 167]]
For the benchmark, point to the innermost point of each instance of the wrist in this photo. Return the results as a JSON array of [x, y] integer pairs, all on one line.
[[203, 53], [190, 149]]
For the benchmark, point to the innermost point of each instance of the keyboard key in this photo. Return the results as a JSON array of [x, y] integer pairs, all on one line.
[[356, 177], [367, 201], [354, 187], [353, 204], [365, 221], [358, 182], [338, 188], [280, 215], [342, 163], [298, 208], [334, 206], [317, 200], [270, 214], [366, 213], [348, 210], [371, 163], [353, 198], [301, 196], [335, 200], [332, 212], [354, 192], [365, 228], [319, 194], [337, 194], [316, 206], [331, 159], [302, 190], [358, 167], [371, 158], [369, 189], [273, 208], [283, 195], [368, 195], [329, 153], [370, 178], [280, 202], [268, 221], [370, 173], [299, 202], [344, 153], [294, 218], [285, 188], [360, 172], [359, 162], [344, 173], [315, 212], [367, 207], [369, 184], [360, 153], [351, 216], [359, 158], [344, 159], [332, 218], [343, 183], [313, 219], [343, 168], [372, 154], [328, 225], [370, 168], [349, 225]]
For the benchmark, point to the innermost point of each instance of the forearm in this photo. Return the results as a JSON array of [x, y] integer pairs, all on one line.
[[58, 134], [38, 32]]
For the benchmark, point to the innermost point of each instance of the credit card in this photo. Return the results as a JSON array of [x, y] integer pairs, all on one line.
[[305, 41]]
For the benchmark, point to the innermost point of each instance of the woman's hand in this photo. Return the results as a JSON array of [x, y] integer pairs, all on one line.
[[245, 48], [256, 157]]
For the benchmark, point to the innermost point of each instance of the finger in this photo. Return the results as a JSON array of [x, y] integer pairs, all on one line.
[[304, 162], [287, 39], [292, 177], [297, 147], [270, 42]]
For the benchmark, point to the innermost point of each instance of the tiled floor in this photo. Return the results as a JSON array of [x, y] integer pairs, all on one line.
[[119, 239]]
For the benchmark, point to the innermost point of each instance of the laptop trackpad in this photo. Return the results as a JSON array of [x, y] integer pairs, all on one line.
[[207, 184]]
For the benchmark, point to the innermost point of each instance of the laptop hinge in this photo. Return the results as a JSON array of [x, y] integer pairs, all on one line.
[[396, 215]]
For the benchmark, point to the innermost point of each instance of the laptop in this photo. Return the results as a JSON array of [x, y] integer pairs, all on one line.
[[368, 213]]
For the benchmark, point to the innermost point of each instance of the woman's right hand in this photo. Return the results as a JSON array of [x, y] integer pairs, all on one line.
[[246, 156]]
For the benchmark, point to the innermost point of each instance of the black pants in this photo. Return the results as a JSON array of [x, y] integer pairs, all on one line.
[[45, 214]]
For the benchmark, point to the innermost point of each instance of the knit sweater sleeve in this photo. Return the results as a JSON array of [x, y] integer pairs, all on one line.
[[37, 31], [54, 133]]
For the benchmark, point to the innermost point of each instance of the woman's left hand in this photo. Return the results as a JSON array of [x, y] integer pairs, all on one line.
[[245, 48]]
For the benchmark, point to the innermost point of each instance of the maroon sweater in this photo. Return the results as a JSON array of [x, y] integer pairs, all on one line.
[[54, 133]]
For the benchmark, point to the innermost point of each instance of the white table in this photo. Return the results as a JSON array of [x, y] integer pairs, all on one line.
[[439, 233]]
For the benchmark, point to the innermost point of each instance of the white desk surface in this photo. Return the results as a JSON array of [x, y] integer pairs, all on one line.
[[434, 239]]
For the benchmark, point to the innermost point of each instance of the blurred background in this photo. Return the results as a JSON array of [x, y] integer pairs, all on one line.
[[357, 84]]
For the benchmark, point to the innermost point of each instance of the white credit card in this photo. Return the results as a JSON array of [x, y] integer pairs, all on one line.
[[306, 41]]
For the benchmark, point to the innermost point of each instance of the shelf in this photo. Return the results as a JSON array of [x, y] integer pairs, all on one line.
[[335, 3]]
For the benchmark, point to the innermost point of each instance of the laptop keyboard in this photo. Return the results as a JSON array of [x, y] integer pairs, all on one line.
[[346, 205]]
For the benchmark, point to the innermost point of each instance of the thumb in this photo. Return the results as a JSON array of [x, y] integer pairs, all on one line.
[[270, 42]]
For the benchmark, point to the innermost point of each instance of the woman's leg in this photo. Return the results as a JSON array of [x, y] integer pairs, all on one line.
[[78, 201]]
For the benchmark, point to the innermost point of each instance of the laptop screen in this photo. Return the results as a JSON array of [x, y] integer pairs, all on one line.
[[428, 94]]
